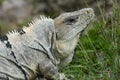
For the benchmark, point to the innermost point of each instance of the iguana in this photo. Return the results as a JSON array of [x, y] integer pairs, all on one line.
[[42, 49]]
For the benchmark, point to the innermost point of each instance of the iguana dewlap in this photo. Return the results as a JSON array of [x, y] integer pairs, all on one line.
[[41, 49]]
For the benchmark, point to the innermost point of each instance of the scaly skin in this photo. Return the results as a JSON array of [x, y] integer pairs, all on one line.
[[40, 50]]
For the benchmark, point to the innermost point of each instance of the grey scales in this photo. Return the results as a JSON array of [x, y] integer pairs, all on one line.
[[39, 51]]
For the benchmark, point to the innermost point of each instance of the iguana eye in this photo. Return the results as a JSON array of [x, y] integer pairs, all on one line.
[[71, 20]]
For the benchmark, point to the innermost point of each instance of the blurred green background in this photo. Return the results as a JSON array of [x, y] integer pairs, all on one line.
[[97, 56]]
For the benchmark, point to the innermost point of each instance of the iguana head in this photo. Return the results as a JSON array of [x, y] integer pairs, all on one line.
[[68, 25]]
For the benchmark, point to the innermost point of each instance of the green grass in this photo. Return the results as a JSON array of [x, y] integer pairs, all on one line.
[[97, 55]]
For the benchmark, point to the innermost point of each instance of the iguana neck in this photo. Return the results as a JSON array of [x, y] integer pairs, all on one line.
[[65, 47]]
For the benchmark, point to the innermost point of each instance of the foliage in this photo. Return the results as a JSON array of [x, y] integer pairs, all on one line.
[[1, 1]]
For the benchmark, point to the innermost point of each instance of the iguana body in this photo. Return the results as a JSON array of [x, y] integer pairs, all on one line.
[[41, 49]]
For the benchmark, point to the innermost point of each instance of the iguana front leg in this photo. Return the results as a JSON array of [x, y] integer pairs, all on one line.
[[64, 62], [49, 70]]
